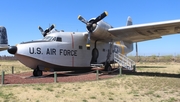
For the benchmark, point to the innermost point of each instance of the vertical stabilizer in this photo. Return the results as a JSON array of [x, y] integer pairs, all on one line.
[[122, 46], [127, 44], [3, 38], [129, 21]]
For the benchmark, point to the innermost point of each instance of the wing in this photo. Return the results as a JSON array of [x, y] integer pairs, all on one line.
[[149, 31]]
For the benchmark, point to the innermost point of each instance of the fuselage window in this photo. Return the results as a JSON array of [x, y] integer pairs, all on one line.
[[103, 50], [59, 39], [88, 48], [80, 47]]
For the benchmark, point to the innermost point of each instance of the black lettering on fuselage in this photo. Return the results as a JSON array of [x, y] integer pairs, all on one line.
[[60, 51], [31, 50], [51, 51], [68, 52], [38, 50]]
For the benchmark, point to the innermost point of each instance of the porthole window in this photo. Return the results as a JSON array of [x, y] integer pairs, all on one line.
[[80, 47]]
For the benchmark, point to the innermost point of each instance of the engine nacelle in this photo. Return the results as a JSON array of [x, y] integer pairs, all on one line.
[[100, 32]]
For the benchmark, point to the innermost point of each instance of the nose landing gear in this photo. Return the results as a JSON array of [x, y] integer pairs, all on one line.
[[37, 72]]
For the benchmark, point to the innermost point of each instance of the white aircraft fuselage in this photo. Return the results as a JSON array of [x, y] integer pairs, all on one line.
[[61, 51]]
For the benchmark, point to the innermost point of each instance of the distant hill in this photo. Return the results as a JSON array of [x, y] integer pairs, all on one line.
[[7, 58], [154, 58]]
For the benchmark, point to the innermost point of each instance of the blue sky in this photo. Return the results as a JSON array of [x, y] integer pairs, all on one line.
[[22, 18]]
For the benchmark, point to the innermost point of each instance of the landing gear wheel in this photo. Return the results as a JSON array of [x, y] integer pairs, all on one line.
[[108, 67], [37, 72]]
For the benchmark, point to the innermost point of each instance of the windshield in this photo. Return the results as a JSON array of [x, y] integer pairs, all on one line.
[[51, 38]]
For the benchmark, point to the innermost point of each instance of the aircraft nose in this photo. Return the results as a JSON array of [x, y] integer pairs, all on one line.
[[12, 49]]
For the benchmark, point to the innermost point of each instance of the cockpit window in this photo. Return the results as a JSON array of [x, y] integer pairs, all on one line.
[[51, 38], [59, 39], [47, 38]]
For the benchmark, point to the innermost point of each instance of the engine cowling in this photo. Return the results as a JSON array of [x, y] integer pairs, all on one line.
[[100, 32], [98, 29]]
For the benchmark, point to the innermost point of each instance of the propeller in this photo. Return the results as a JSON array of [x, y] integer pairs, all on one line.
[[91, 25], [44, 33]]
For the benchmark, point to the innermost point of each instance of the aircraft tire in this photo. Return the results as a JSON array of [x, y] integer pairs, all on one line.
[[37, 72], [108, 67]]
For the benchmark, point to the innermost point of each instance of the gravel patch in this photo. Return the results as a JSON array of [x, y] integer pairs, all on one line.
[[48, 77]]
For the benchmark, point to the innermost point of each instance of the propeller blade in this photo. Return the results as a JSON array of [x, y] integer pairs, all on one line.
[[44, 33], [88, 40], [82, 19], [49, 29], [40, 29], [100, 17], [91, 25]]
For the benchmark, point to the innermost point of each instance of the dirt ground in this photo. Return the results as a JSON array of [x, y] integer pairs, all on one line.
[[48, 77]]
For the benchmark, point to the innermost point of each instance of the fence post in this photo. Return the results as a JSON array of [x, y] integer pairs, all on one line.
[[12, 69], [55, 77], [134, 68], [2, 77], [97, 74], [120, 71]]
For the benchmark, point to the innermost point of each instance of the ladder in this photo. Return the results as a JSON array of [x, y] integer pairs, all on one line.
[[124, 61]]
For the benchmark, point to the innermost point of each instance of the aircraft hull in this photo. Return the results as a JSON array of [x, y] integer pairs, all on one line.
[[66, 55], [45, 66]]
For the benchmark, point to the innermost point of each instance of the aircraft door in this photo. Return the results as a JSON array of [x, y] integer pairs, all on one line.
[[95, 54]]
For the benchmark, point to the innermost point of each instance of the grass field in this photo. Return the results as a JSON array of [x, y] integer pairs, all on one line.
[[158, 82], [6, 66]]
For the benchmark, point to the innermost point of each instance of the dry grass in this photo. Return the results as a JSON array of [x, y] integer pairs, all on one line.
[[6, 66], [128, 88], [172, 67]]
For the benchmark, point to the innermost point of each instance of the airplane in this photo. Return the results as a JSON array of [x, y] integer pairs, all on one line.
[[67, 51], [3, 39]]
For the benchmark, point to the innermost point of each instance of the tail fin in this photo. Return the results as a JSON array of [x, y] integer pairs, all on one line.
[[125, 47], [127, 44], [3, 39], [129, 21]]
